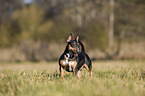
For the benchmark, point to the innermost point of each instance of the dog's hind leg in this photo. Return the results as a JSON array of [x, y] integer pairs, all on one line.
[[88, 65], [88, 68], [91, 74], [90, 71]]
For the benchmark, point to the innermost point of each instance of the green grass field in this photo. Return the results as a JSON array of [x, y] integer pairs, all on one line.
[[110, 78]]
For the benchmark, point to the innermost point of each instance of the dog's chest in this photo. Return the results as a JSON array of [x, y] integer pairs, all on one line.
[[68, 65]]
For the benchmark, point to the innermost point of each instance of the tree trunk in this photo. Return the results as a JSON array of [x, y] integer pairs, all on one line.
[[111, 25]]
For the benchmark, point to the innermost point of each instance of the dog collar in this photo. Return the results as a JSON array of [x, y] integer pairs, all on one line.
[[75, 54]]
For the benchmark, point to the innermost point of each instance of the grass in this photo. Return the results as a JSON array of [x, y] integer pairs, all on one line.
[[110, 78]]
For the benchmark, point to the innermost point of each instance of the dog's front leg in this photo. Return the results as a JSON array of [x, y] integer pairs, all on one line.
[[61, 71], [79, 74], [75, 71]]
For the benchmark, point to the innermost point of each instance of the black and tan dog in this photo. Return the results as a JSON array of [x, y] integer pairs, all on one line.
[[74, 58]]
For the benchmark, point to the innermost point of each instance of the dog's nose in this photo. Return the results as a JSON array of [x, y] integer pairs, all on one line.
[[74, 49]]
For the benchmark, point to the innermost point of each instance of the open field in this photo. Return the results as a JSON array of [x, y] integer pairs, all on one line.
[[110, 78]]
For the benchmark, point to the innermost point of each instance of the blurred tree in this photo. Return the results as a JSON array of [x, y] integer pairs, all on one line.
[[7, 7], [53, 20], [31, 22], [9, 33], [8, 28], [111, 24], [128, 22]]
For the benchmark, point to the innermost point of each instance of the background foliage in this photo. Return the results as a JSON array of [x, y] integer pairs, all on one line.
[[49, 21]]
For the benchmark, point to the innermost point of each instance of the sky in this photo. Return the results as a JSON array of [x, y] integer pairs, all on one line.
[[27, 1]]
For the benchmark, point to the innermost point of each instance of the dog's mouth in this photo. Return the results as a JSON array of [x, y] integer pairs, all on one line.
[[74, 50]]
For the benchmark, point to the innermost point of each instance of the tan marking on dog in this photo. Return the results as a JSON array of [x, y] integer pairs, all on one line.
[[73, 64], [62, 63], [73, 49], [66, 66]]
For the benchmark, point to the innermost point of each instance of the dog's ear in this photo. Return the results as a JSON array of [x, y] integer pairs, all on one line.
[[69, 37], [77, 38]]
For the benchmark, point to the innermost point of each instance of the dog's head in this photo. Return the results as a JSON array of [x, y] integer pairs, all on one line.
[[73, 45]]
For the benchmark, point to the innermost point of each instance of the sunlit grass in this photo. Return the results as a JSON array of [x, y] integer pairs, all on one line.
[[110, 78]]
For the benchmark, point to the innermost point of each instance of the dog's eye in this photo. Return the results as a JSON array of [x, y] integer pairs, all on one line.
[[73, 45], [78, 43]]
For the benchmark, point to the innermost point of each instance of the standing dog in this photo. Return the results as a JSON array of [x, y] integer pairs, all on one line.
[[74, 58]]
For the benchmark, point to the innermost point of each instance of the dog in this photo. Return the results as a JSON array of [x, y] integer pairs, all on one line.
[[74, 58]]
